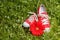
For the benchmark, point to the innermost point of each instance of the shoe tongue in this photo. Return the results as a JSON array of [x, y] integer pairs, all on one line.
[[42, 8]]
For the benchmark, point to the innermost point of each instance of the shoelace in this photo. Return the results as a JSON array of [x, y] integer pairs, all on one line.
[[36, 17], [45, 19]]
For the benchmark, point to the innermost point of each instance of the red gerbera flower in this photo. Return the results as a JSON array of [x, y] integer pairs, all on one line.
[[36, 29]]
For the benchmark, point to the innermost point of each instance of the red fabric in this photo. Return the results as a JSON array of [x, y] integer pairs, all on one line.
[[46, 25], [28, 20], [36, 29]]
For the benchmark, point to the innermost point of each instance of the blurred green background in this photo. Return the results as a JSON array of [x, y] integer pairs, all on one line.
[[14, 12]]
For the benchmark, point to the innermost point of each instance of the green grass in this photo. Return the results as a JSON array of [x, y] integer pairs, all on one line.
[[14, 12]]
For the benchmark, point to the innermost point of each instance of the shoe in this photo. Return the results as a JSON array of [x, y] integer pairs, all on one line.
[[43, 18], [30, 20]]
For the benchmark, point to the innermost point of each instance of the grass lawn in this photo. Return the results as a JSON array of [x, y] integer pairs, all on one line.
[[14, 12]]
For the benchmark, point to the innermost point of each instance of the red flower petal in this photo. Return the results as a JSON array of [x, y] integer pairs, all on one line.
[[36, 29]]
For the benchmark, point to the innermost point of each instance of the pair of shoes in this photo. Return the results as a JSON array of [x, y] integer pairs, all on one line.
[[38, 23]]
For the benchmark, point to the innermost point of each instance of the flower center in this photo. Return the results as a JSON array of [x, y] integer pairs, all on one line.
[[37, 28]]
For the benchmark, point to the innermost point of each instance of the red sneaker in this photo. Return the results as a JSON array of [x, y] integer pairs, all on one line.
[[30, 20], [43, 18]]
